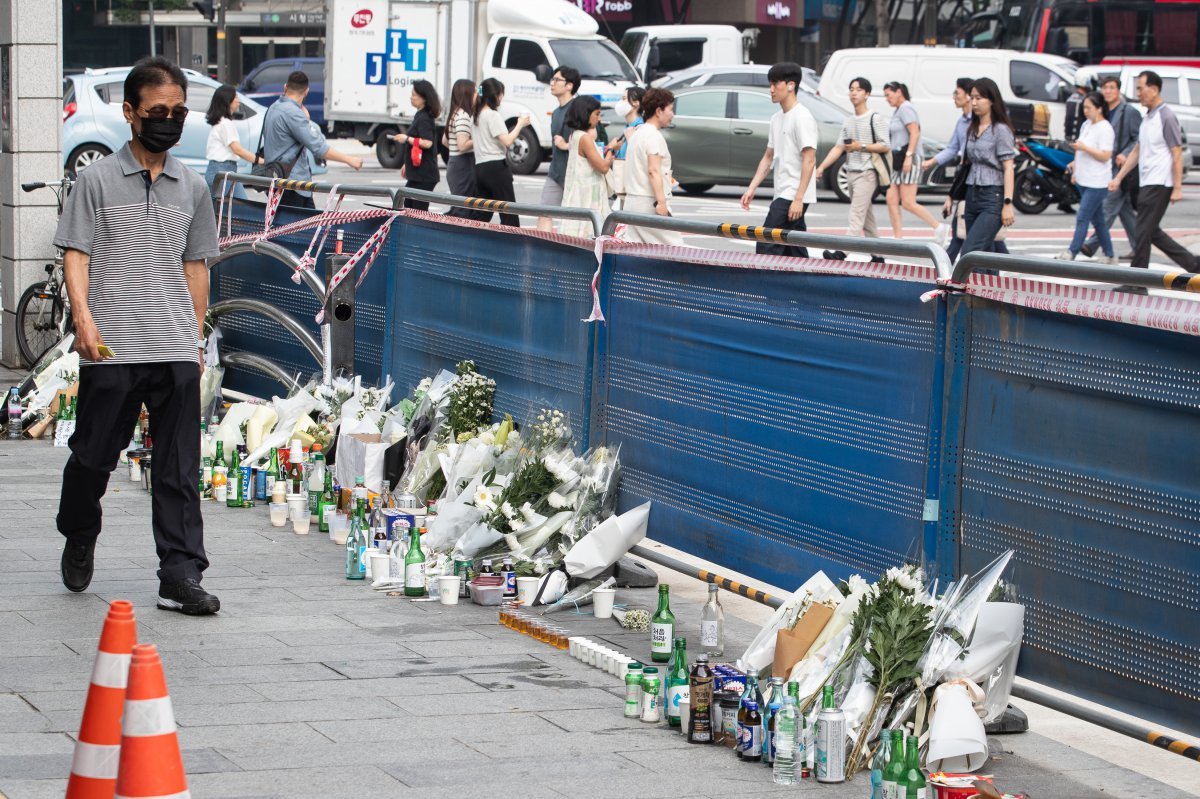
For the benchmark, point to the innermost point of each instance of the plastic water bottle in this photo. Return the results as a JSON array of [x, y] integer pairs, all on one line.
[[14, 414], [787, 743]]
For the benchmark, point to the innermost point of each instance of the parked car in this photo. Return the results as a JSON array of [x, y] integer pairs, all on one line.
[[265, 84], [94, 126], [745, 75], [720, 133]]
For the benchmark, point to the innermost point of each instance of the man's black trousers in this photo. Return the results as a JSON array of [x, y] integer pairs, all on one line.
[[110, 399]]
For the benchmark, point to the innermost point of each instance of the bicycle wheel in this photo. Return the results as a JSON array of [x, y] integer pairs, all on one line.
[[39, 318]]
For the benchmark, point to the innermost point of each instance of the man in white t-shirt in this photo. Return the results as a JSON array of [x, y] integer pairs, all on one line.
[[792, 149], [1158, 156]]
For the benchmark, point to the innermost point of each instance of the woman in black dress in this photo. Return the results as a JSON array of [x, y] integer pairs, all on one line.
[[420, 155]]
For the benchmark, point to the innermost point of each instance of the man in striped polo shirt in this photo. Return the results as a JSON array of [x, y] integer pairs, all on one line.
[[136, 231]]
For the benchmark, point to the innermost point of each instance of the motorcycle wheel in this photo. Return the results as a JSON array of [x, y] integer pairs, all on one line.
[[1028, 196]]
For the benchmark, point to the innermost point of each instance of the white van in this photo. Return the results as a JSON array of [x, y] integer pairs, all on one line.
[[658, 51], [1025, 79]]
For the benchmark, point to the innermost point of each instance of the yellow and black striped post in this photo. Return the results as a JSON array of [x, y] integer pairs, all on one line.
[[753, 233], [1182, 281]]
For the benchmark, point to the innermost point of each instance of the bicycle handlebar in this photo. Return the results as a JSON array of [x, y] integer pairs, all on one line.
[[65, 183]]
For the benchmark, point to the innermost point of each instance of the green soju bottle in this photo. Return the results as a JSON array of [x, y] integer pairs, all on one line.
[[414, 565], [356, 545], [890, 778], [272, 471], [662, 627], [677, 682], [219, 460], [328, 503], [912, 781], [234, 498]]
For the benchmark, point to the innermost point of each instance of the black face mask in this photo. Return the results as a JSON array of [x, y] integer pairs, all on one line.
[[160, 135]]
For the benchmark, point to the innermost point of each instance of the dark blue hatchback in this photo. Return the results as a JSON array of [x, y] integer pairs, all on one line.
[[265, 82]]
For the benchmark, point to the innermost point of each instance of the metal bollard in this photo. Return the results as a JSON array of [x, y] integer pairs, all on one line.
[[339, 317]]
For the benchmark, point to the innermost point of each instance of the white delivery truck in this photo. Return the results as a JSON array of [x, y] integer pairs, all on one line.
[[657, 51], [376, 49]]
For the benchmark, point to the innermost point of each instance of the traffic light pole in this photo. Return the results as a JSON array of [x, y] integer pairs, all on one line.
[[222, 55]]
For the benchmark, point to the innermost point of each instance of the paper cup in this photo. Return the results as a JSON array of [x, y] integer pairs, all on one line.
[[573, 645], [527, 588], [279, 514], [379, 566], [448, 584], [296, 504], [602, 602], [220, 494]]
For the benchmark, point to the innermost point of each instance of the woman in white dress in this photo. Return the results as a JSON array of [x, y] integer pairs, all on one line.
[[584, 185], [648, 169]]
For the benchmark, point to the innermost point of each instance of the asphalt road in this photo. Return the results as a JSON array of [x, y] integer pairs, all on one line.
[[1043, 234]]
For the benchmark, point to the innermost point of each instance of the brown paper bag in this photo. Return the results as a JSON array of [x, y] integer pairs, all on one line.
[[792, 645]]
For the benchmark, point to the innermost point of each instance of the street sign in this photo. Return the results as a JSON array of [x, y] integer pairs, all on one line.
[[312, 19]]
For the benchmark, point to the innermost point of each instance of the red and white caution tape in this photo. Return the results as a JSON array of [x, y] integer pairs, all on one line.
[[370, 251], [1161, 312], [333, 204]]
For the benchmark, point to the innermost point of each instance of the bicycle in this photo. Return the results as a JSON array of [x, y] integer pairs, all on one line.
[[44, 310]]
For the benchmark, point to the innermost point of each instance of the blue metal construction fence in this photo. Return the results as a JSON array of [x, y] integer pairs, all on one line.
[[787, 422]]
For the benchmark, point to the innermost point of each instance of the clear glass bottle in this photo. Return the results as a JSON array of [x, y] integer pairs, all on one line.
[[712, 624]]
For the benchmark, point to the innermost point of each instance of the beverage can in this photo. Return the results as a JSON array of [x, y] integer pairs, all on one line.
[[260, 484], [465, 569], [831, 745]]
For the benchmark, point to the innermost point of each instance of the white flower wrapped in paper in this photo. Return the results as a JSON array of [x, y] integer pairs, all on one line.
[[558, 501]]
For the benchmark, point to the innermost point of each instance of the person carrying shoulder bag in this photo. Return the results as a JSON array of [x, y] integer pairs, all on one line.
[[864, 141]]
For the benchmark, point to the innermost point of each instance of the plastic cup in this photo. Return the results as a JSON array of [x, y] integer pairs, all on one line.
[[527, 588], [685, 712], [340, 527], [279, 514], [573, 645], [602, 602], [448, 584], [301, 523]]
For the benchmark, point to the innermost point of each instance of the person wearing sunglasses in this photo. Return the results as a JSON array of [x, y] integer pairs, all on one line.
[[137, 231]]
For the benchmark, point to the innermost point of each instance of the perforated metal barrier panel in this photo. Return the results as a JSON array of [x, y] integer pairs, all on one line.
[[785, 422], [1077, 448], [511, 303]]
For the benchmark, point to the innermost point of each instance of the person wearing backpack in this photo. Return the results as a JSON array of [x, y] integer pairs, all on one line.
[[864, 140], [287, 134]]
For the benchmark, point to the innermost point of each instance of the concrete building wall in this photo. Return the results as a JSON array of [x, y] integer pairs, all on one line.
[[30, 46]]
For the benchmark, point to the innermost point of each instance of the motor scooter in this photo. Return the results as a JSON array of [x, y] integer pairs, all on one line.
[[1042, 177]]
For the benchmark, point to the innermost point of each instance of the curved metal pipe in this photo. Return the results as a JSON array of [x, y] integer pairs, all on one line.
[[1177, 280], [925, 251], [397, 195], [249, 360], [276, 252], [284, 319]]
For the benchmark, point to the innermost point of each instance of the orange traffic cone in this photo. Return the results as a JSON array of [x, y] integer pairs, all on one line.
[[94, 769], [151, 764]]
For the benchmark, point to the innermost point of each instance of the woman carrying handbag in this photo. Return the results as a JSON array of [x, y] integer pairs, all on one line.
[[991, 148]]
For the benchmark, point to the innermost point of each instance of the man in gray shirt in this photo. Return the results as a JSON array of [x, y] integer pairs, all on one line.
[[136, 232], [288, 133]]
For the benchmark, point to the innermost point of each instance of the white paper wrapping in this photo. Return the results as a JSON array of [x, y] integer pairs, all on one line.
[[761, 652], [605, 545], [957, 739]]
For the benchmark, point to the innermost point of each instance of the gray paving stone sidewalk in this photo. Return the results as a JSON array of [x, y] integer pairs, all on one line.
[[307, 685]]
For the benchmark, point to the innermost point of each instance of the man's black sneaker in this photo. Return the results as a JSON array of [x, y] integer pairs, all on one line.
[[877, 259], [78, 561], [186, 596], [834, 255]]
